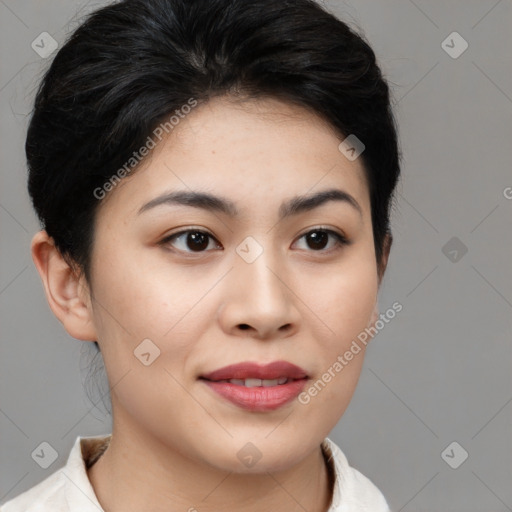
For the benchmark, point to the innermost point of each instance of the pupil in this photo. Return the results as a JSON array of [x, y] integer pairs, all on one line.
[[199, 241], [318, 238]]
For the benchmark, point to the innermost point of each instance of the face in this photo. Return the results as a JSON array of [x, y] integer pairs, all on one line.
[[203, 287]]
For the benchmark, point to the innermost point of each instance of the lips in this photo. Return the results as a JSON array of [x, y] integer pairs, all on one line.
[[249, 371], [256, 387]]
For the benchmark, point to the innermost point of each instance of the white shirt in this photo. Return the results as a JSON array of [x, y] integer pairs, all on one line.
[[69, 488]]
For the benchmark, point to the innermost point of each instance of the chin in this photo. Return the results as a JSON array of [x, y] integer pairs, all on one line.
[[256, 455]]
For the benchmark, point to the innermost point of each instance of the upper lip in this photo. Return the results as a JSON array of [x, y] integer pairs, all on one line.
[[248, 369]]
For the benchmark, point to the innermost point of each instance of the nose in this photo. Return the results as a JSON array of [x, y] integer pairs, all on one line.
[[259, 300]]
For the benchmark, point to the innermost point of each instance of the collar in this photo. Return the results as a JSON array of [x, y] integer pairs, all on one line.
[[79, 492]]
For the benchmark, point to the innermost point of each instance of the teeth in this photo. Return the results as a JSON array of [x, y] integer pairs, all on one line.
[[253, 383]]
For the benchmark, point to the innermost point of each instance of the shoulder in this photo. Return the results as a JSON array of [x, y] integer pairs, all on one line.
[[353, 492], [67, 488], [45, 496]]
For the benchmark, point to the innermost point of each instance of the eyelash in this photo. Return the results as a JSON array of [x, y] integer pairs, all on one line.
[[340, 239]]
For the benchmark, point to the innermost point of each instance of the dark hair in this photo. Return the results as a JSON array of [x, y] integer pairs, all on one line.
[[132, 63]]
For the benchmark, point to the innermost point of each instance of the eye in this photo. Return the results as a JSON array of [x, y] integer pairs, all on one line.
[[190, 240], [197, 241], [318, 239]]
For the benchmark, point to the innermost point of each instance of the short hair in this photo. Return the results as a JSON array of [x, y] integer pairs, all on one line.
[[131, 64]]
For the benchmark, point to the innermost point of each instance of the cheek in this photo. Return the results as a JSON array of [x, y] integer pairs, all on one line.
[[142, 312], [345, 296], [141, 297], [355, 298], [344, 300]]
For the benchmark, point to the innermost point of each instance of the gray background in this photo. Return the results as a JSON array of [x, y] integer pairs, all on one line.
[[439, 372]]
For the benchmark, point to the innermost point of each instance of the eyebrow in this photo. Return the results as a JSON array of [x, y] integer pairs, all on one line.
[[209, 202]]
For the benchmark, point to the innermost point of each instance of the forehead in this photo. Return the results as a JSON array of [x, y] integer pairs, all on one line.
[[255, 152]]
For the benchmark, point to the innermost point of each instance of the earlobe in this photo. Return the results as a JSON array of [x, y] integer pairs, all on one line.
[[66, 292]]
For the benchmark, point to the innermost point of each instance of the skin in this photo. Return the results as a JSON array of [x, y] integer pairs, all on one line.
[[175, 442]]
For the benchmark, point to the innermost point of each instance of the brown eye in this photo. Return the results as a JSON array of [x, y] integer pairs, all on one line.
[[191, 240], [318, 239]]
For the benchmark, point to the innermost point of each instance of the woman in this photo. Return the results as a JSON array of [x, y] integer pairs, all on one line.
[[214, 181]]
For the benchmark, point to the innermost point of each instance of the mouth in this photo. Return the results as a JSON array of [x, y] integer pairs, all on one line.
[[252, 382], [256, 387], [254, 372]]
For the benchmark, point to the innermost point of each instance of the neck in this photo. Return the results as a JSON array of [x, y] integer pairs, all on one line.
[[137, 472]]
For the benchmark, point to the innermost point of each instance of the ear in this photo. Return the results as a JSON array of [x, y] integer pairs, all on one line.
[[67, 292], [386, 247]]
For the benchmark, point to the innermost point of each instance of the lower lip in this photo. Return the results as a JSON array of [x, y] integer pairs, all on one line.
[[258, 398]]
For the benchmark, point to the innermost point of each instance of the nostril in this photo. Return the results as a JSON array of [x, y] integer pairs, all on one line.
[[244, 326]]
